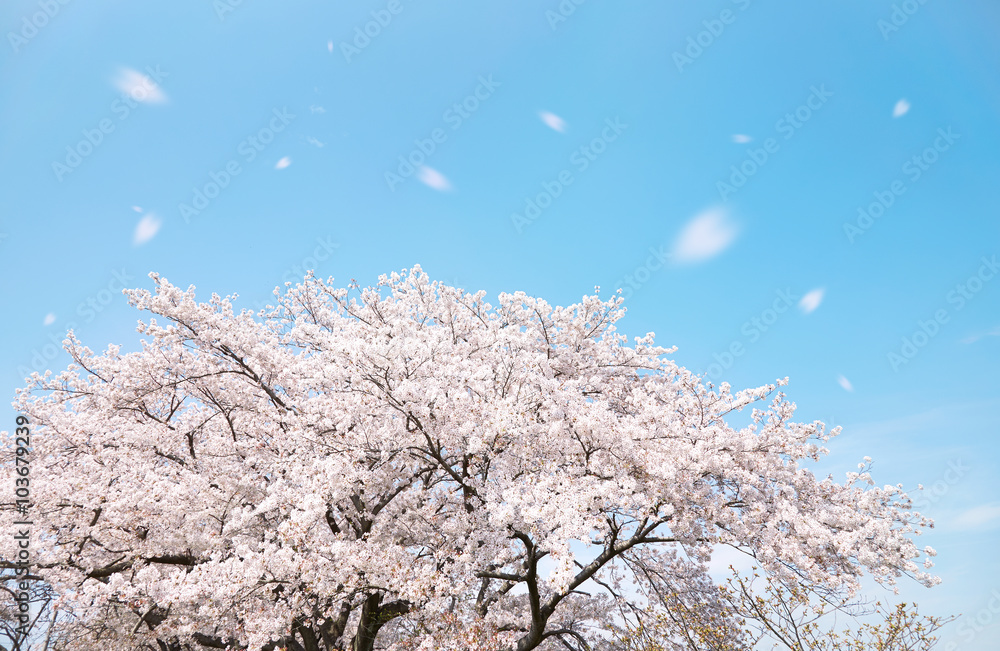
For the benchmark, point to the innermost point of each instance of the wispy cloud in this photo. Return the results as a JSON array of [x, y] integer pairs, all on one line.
[[137, 209], [50, 318], [811, 300], [314, 142], [978, 517], [901, 108], [329, 47], [139, 87], [283, 163], [741, 138], [707, 235], [553, 121], [971, 339], [433, 178], [316, 109], [845, 383], [930, 420], [146, 229]]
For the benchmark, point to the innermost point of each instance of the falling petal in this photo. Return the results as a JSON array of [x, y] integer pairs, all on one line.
[[553, 121], [139, 87], [433, 178], [811, 301], [705, 236], [146, 229]]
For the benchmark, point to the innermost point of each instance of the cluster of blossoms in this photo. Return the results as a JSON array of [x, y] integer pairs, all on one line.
[[407, 466]]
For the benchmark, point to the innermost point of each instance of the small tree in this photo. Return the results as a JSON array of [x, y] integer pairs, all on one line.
[[26, 616], [796, 617], [409, 464]]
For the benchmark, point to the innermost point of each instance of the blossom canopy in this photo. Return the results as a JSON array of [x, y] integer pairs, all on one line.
[[408, 466]]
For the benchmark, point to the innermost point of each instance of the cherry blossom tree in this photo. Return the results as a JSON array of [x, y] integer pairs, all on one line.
[[407, 466]]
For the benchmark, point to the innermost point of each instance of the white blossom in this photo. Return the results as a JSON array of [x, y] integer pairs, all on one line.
[[411, 451]]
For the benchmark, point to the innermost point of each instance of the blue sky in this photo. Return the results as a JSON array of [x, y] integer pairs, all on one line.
[[866, 134]]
